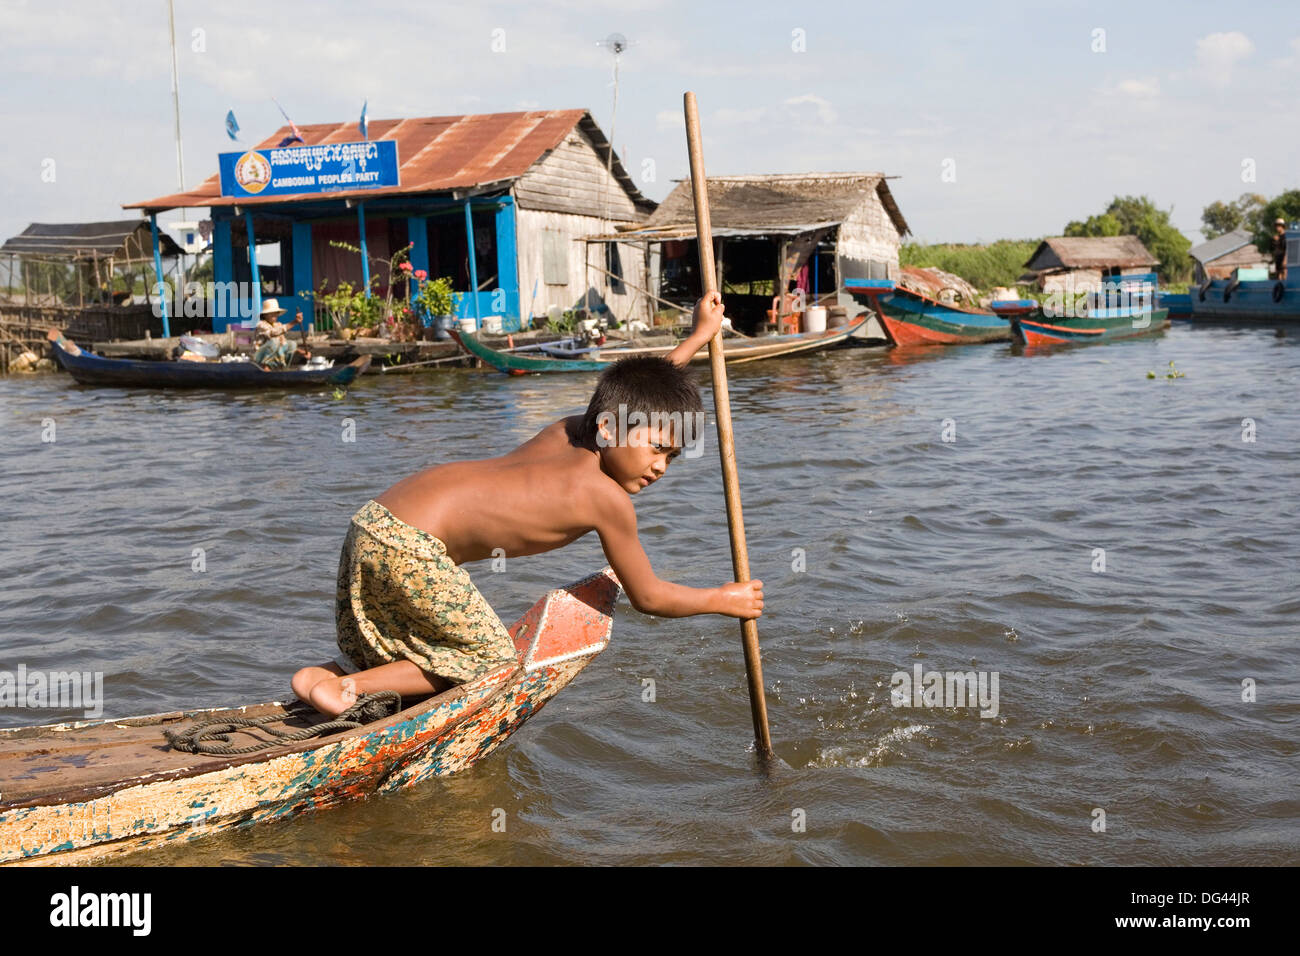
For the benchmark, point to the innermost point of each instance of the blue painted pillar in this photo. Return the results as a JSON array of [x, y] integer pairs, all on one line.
[[365, 256], [223, 269], [159, 288], [473, 265], [417, 232], [226, 301], [255, 277], [302, 270], [508, 260]]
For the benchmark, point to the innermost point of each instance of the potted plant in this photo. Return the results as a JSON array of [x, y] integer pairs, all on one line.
[[437, 300]]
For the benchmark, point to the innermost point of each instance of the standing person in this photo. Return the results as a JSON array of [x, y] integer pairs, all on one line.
[[274, 350], [1279, 248]]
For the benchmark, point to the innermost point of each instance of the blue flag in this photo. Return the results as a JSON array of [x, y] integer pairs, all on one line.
[[363, 119], [231, 126]]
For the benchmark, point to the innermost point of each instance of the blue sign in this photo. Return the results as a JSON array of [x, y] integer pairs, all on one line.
[[329, 167]]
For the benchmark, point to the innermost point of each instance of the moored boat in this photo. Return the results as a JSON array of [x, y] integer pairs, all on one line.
[[910, 318], [90, 369], [81, 791], [736, 351], [1124, 307], [1250, 295]]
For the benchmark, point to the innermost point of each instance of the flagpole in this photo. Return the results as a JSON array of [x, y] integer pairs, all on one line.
[[180, 152]]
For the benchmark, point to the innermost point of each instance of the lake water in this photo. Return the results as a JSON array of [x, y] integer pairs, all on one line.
[[881, 544]]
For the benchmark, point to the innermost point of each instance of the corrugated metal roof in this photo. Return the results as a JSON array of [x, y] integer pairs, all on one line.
[[85, 240], [1095, 252], [436, 154], [1220, 246], [773, 204]]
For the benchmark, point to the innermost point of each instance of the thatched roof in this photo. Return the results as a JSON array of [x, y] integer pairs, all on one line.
[[121, 239], [775, 204], [1090, 252]]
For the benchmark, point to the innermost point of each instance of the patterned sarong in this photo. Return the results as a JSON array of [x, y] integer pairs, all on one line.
[[400, 598]]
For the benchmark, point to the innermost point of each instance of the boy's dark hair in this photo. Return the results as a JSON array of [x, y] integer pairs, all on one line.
[[648, 384]]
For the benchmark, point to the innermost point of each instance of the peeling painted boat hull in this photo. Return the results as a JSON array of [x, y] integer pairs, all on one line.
[[189, 796]]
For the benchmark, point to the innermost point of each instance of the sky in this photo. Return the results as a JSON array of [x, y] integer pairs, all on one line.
[[1000, 120]]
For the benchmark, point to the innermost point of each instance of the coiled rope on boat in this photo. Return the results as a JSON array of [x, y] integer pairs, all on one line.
[[200, 738]]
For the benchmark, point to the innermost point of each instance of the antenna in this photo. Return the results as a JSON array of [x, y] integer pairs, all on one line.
[[176, 95], [616, 43], [176, 110]]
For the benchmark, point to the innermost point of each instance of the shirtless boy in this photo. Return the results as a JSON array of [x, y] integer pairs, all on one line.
[[408, 617]]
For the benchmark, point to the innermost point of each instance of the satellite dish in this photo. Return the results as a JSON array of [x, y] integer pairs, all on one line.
[[616, 42]]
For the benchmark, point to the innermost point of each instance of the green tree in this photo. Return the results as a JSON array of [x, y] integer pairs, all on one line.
[[1139, 216], [1222, 217], [1286, 206], [1103, 225], [997, 264]]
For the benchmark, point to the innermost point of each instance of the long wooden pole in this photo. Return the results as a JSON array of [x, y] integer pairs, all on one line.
[[726, 438]]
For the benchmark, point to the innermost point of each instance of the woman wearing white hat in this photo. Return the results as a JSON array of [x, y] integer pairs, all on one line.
[[273, 348]]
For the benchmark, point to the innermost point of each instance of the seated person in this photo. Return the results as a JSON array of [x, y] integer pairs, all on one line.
[[274, 350]]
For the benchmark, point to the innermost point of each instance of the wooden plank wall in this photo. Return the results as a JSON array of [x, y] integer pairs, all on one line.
[[569, 194], [533, 226]]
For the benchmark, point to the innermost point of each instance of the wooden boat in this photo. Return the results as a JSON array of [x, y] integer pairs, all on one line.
[[90, 369], [1250, 296], [1125, 307], [737, 351], [910, 318], [80, 791], [1178, 304]]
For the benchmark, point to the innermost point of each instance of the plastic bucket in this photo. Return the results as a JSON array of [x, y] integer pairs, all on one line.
[[468, 325], [814, 320], [492, 325]]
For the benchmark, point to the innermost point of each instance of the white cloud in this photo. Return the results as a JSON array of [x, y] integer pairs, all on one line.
[[666, 120], [1218, 53], [824, 111], [1144, 88]]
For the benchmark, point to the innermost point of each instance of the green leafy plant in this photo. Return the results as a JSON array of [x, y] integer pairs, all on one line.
[[436, 297], [1171, 374], [348, 307]]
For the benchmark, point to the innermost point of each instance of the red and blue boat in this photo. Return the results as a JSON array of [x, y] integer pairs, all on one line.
[[910, 318], [1124, 307]]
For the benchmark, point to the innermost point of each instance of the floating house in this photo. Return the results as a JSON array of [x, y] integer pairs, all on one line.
[[83, 277], [102, 259], [521, 190], [1224, 255], [793, 233], [1079, 263]]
